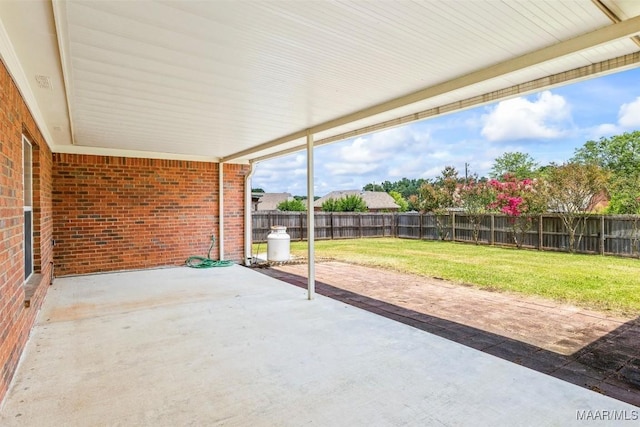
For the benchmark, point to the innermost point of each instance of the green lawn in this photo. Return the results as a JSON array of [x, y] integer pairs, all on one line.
[[603, 283]]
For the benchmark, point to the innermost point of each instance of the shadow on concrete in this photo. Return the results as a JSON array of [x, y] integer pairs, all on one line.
[[610, 365]]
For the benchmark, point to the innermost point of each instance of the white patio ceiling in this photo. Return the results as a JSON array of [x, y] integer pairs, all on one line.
[[240, 80]]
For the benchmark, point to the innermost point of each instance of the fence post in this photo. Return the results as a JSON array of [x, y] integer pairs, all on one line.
[[331, 224], [492, 233], [384, 226], [420, 219], [394, 224], [360, 224], [602, 237], [453, 226], [540, 231], [302, 214]]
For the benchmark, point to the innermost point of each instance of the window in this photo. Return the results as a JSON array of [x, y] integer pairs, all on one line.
[[27, 179]]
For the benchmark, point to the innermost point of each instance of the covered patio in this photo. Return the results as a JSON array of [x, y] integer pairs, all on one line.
[[230, 346], [128, 136]]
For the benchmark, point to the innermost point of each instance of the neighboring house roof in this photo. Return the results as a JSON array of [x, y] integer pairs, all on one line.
[[599, 202], [594, 203], [270, 201], [373, 199]]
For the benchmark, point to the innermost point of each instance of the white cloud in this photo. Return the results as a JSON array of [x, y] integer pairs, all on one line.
[[358, 151], [275, 175], [432, 172], [348, 168], [441, 155], [374, 157], [629, 114], [287, 162], [520, 118], [376, 147], [628, 119], [408, 167], [605, 129]]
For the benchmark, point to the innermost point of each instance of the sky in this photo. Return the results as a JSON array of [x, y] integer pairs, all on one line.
[[548, 125]]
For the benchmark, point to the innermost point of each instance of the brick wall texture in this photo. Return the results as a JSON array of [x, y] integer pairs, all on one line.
[[104, 213], [16, 320], [234, 177], [117, 213]]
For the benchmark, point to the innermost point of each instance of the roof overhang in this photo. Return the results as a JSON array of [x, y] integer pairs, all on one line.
[[245, 81]]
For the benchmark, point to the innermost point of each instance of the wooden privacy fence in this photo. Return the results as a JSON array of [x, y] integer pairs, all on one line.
[[328, 225], [600, 234]]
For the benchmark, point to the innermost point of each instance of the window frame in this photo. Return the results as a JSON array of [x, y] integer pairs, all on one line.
[[27, 204]]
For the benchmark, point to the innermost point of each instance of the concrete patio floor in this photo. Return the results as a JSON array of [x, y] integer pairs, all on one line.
[[596, 350], [230, 346]]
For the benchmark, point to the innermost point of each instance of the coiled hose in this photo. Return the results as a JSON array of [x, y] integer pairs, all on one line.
[[202, 262]]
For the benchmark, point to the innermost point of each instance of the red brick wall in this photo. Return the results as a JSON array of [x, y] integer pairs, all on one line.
[[117, 213], [16, 320], [43, 209], [234, 176], [109, 213]]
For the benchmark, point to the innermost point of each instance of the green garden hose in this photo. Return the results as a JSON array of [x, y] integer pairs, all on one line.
[[202, 262]]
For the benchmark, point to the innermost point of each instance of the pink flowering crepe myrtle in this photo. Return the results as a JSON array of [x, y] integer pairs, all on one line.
[[521, 200]]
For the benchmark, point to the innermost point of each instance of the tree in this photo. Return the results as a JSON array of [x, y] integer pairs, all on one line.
[[352, 203], [439, 195], [448, 182], [572, 188], [414, 202], [292, 205], [476, 199], [625, 194], [434, 199], [521, 201], [349, 203], [520, 165], [373, 187], [430, 198], [403, 206], [625, 198], [257, 190], [438, 198], [330, 205], [406, 187], [620, 156], [448, 175]]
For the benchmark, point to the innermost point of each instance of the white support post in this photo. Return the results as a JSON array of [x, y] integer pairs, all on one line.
[[248, 222], [311, 286], [221, 212]]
